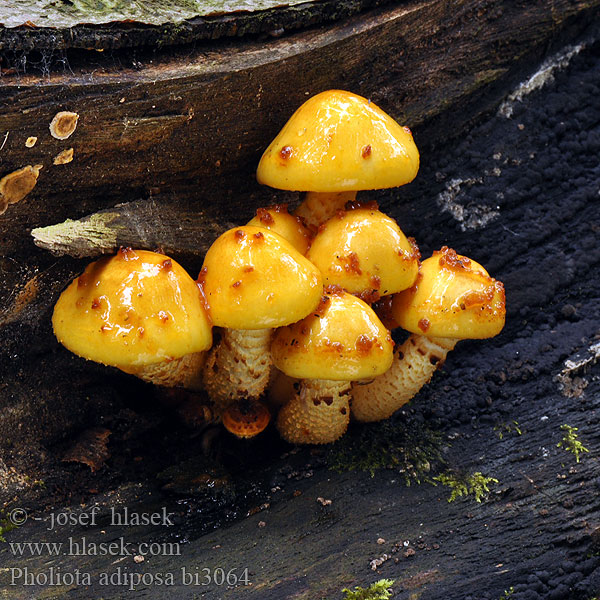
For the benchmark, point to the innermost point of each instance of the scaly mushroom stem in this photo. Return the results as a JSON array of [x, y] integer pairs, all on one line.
[[414, 364], [239, 366], [184, 372], [318, 207], [318, 414]]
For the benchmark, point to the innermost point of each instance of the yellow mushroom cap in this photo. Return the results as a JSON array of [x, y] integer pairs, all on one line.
[[338, 141], [343, 340], [364, 251], [254, 279], [454, 297], [278, 219], [134, 309]]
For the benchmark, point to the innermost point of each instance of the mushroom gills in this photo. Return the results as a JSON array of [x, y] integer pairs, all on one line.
[[414, 364], [318, 413], [185, 372], [238, 366]]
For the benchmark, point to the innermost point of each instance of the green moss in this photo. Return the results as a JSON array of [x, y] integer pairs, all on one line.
[[476, 485], [413, 450], [570, 442], [508, 593], [503, 429], [5, 527], [380, 590]]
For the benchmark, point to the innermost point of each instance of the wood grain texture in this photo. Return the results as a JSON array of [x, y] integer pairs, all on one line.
[[195, 122], [84, 26]]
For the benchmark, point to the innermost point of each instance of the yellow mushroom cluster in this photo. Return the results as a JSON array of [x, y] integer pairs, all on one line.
[[292, 294]]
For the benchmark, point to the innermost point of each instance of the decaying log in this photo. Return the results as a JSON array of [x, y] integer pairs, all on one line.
[[32, 25], [518, 193], [144, 224], [195, 121]]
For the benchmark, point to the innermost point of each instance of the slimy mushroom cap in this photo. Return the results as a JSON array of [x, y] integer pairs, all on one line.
[[133, 309], [278, 219], [363, 250], [338, 141], [254, 279], [454, 297], [343, 340]]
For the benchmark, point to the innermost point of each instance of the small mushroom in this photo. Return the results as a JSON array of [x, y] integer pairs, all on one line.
[[281, 388], [31, 141], [246, 418], [334, 145], [16, 185], [253, 281], [63, 124], [365, 252], [341, 342], [278, 219], [138, 311], [453, 299]]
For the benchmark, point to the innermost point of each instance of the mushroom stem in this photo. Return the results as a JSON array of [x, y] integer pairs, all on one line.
[[317, 414], [281, 389], [238, 366], [318, 207], [414, 364], [184, 372]]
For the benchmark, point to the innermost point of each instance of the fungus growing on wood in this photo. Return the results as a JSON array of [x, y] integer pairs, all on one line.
[[16, 185], [246, 418], [63, 124], [365, 252], [342, 341], [278, 219], [31, 141], [334, 145], [138, 311], [453, 299], [64, 157], [253, 281]]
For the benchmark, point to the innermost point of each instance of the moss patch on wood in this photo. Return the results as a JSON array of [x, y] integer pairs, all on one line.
[[379, 590], [476, 485], [570, 442], [413, 450]]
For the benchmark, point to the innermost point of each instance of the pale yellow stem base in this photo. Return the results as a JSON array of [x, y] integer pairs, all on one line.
[[318, 414], [239, 366], [184, 372], [318, 207], [414, 364]]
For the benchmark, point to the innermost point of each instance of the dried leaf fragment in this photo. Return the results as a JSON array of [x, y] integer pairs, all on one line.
[[31, 141], [90, 448], [64, 157], [63, 124], [16, 185]]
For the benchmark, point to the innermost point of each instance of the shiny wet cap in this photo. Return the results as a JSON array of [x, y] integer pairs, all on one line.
[[133, 309], [338, 141]]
